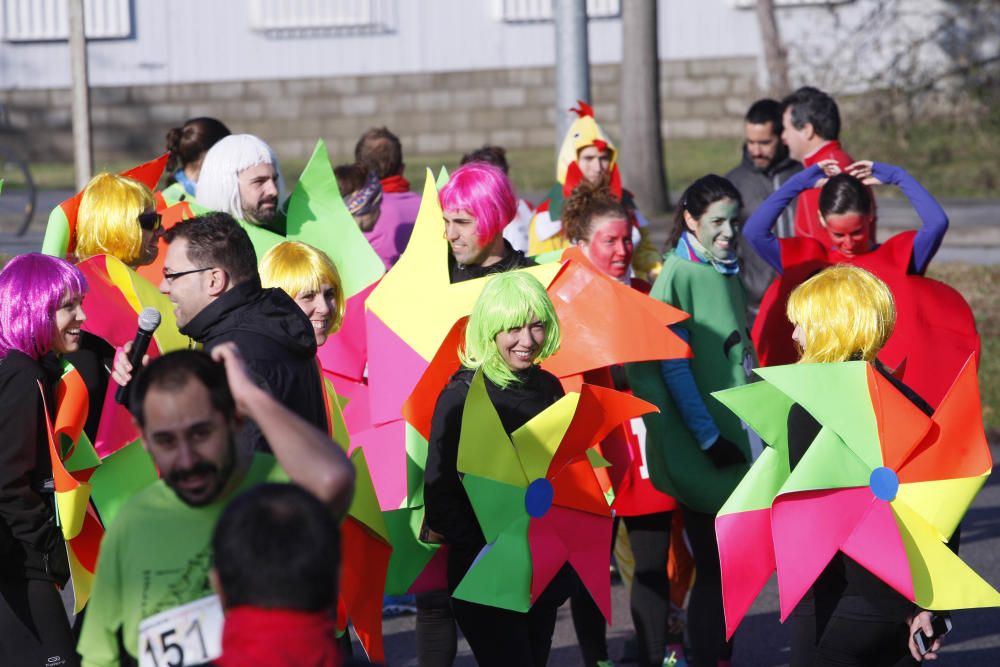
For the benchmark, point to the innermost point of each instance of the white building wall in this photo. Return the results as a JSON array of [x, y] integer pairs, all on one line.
[[192, 41]]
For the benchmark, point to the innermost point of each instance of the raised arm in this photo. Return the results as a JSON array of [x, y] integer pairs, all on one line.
[[311, 459], [759, 228], [933, 218]]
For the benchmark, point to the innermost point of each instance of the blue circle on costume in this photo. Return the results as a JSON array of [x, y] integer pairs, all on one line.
[[538, 497], [884, 483]]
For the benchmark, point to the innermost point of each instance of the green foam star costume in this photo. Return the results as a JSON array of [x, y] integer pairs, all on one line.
[[723, 355]]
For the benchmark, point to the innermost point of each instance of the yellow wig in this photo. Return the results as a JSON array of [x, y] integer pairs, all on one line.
[[108, 219], [844, 312], [295, 267]]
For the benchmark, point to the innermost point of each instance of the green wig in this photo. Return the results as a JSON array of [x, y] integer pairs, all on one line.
[[509, 300]]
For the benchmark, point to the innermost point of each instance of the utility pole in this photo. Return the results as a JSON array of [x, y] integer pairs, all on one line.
[[83, 157], [572, 61], [642, 145]]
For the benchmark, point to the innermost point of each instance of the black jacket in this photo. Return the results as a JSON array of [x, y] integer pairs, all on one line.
[[31, 545], [446, 504], [277, 342], [512, 259], [755, 185]]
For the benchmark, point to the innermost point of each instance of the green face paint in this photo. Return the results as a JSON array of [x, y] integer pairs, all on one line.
[[717, 229]]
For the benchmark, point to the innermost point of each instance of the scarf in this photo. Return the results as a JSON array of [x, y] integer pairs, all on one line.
[[691, 249], [365, 200], [188, 185], [278, 638], [395, 184]]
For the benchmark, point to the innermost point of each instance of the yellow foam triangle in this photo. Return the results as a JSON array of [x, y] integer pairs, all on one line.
[[416, 299], [484, 448], [72, 506], [942, 503], [82, 580], [140, 293], [941, 580], [537, 441]]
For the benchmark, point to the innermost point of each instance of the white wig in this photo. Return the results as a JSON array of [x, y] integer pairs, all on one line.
[[218, 183]]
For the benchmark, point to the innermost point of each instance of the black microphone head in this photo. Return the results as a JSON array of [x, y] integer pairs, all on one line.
[[149, 319]]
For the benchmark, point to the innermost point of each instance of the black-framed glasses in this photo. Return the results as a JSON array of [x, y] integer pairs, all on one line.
[[169, 277], [150, 221]]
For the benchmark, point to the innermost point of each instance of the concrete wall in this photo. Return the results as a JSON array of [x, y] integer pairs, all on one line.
[[432, 113]]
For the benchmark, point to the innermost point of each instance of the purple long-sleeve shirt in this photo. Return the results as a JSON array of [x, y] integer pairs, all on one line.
[[759, 229]]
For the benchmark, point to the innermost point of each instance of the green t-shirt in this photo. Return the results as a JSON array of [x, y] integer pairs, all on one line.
[[154, 557]]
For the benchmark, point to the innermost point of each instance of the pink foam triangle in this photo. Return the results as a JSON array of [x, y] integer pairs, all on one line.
[[385, 450], [115, 428], [357, 414], [434, 576], [808, 528], [345, 353], [746, 557], [394, 368], [580, 538], [877, 546]]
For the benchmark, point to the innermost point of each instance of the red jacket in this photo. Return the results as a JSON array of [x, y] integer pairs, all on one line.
[[807, 224]]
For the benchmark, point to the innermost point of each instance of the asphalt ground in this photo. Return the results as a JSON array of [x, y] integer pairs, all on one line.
[[761, 640]]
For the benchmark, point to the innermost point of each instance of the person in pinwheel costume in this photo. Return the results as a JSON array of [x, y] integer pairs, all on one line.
[[935, 331], [310, 278], [859, 489], [40, 318], [598, 224], [588, 155], [513, 326], [696, 450]]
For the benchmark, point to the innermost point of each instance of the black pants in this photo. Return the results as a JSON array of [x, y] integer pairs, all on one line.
[[501, 638], [650, 599], [822, 637], [437, 638], [706, 618], [34, 630]]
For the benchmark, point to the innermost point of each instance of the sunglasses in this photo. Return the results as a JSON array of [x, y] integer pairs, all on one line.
[[150, 221]]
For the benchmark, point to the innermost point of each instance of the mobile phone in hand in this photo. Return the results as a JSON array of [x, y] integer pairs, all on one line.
[[940, 625]]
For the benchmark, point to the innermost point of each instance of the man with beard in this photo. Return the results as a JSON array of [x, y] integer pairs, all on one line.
[[241, 176], [210, 275], [766, 165], [157, 553]]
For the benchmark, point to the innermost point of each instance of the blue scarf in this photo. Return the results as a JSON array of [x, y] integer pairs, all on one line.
[[189, 185], [690, 249]]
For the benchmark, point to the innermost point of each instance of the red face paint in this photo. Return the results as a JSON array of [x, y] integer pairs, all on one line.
[[851, 232], [610, 246]]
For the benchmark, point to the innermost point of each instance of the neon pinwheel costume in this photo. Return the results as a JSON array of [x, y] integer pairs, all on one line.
[[882, 482]]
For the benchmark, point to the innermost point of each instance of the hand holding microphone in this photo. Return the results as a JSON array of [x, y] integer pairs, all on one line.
[[133, 354]]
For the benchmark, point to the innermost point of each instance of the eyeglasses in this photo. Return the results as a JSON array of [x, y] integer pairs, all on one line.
[[170, 277], [150, 221]]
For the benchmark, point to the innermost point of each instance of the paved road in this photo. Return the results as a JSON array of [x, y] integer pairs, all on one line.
[[761, 640]]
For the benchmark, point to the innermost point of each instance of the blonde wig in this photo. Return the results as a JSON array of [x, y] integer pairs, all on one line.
[[295, 267], [844, 312], [107, 222]]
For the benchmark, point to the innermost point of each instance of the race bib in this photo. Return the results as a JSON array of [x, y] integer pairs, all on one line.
[[639, 430], [187, 635]]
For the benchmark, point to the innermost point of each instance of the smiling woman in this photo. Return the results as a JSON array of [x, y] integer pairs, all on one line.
[[40, 317], [310, 277], [512, 328]]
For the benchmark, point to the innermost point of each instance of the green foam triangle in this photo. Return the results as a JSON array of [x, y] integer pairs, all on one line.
[[442, 178], [757, 489], [497, 505], [764, 408], [828, 464], [501, 574], [119, 477], [364, 505], [850, 414], [416, 461], [318, 216], [409, 555]]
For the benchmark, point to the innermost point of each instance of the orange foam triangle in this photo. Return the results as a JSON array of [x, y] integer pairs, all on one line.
[[901, 424]]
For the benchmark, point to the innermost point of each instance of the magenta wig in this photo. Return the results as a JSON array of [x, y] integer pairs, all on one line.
[[32, 287], [484, 191]]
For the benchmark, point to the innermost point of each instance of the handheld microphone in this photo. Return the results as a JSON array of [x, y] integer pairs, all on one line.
[[149, 319]]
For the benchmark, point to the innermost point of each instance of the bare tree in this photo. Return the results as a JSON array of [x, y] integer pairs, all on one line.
[[775, 55], [642, 146]]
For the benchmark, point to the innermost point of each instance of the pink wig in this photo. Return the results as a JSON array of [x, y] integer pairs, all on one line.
[[484, 191], [32, 287]]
